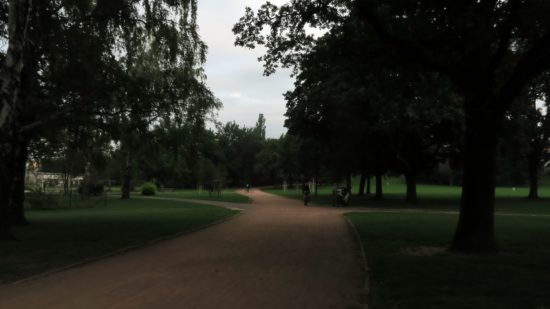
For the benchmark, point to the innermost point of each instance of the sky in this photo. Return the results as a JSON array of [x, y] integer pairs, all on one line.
[[234, 73]]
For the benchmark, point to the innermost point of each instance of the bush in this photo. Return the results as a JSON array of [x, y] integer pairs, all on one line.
[[39, 201], [148, 188], [94, 189]]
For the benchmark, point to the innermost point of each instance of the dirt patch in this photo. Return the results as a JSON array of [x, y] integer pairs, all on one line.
[[423, 251]]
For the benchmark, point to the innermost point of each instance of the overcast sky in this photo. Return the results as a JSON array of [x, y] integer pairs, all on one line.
[[234, 74]]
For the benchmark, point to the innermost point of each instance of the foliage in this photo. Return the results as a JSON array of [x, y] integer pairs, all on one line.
[[488, 51], [40, 201], [148, 188], [238, 148], [95, 76], [94, 188]]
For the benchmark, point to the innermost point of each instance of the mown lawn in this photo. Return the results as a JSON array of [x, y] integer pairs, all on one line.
[[433, 197], [61, 237], [409, 267], [226, 196]]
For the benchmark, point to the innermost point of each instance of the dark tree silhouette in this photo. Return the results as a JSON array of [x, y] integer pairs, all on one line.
[[489, 49]]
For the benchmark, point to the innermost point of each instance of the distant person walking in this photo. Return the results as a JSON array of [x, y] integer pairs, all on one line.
[[247, 187], [305, 193]]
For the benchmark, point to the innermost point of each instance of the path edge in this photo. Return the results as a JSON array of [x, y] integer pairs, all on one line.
[[122, 250], [365, 293]]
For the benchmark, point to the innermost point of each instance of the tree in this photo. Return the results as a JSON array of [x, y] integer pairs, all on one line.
[[17, 24], [374, 113], [527, 131], [19, 16], [81, 68], [239, 147], [259, 128], [268, 162], [489, 49], [295, 153]]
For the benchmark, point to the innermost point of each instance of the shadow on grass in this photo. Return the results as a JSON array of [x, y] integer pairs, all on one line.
[[516, 277]]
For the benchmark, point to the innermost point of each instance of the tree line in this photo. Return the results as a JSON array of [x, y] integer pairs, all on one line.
[[115, 90], [411, 81], [79, 76]]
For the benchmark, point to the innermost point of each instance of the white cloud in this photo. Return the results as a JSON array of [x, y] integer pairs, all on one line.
[[234, 74]]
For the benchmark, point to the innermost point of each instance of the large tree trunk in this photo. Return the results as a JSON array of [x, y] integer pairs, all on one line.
[[410, 179], [348, 182], [315, 179], [25, 114], [10, 80], [361, 191], [126, 178], [534, 168], [476, 227], [369, 185], [85, 185], [125, 190], [10, 74], [66, 180], [378, 195], [5, 182], [17, 190]]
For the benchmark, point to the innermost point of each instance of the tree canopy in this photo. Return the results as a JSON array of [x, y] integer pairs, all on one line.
[[96, 68], [488, 51]]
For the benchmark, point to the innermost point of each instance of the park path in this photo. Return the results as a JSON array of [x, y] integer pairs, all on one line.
[[276, 254]]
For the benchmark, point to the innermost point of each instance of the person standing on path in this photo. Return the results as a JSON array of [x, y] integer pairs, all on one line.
[[305, 193]]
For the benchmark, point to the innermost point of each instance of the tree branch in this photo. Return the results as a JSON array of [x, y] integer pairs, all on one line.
[[505, 35], [533, 62]]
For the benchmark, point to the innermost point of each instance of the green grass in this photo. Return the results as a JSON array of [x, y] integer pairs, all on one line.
[[226, 196], [56, 200], [517, 277], [434, 197], [61, 237]]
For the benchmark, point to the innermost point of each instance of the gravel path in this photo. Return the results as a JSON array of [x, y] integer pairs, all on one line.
[[276, 254]]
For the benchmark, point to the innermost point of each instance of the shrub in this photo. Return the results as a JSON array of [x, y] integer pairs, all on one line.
[[39, 201], [94, 189], [148, 188]]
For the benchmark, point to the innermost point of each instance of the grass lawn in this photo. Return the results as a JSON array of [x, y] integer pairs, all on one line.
[[434, 197], [410, 269], [226, 196], [409, 266], [61, 237]]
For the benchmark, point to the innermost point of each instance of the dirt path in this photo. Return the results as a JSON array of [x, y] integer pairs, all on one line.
[[277, 254]]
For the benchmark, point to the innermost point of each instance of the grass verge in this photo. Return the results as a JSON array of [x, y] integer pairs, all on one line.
[[410, 268], [433, 197], [226, 196], [61, 237]]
